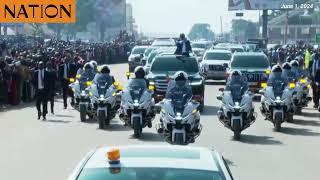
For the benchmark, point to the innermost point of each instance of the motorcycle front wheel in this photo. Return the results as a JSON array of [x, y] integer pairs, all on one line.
[[101, 119], [178, 139], [83, 113], [137, 129], [236, 130]]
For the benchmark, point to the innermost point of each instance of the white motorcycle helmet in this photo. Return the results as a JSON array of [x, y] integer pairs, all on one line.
[[94, 64], [180, 78]]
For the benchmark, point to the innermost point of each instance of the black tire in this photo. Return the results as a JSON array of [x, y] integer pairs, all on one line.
[[83, 113], [290, 118], [236, 130], [178, 139], [277, 123], [101, 119], [137, 128]]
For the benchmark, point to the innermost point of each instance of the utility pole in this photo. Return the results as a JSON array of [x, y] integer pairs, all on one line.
[[265, 24], [286, 28], [221, 26]]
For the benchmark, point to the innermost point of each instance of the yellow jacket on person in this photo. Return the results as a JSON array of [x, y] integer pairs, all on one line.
[[307, 59]]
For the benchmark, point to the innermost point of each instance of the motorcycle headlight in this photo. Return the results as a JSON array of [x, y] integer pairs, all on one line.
[[194, 111], [196, 83], [303, 81], [101, 96]]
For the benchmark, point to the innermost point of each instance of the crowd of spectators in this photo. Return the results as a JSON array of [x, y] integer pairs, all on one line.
[[19, 56]]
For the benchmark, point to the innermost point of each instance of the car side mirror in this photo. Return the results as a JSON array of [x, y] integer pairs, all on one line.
[[141, 55], [128, 53], [219, 98], [221, 89]]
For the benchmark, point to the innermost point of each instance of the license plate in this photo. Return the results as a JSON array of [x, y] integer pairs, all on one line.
[[253, 83]]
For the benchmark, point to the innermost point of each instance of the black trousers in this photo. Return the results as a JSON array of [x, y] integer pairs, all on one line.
[[316, 93], [51, 100], [42, 99], [66, 92]]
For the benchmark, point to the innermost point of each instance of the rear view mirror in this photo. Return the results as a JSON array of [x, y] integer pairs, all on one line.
[[128, 53], [221, 89], [219, 98]]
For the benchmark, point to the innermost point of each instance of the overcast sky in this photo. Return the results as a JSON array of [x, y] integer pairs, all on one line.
[[175, 16]]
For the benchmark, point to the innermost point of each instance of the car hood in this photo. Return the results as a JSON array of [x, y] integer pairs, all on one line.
[[215, 62]]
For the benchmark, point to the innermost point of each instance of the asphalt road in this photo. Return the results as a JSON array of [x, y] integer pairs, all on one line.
[[36, 150]]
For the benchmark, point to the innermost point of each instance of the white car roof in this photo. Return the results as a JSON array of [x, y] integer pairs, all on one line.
[[154, 156]]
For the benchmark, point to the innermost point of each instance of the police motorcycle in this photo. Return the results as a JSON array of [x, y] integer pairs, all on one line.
[[137, 106], [80, 87], [237, 111], [302, 90], [276, 103], [179, 119], [105, 100]]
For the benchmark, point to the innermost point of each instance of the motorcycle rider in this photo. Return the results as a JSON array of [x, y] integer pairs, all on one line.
[[179, 86], [95, 66], [236, 82], [104, 76], [287, 73], [296, 69], [276, 78], [140, 73], [88, 73]]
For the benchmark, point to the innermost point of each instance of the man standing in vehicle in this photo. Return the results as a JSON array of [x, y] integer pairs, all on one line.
[[183, 46]]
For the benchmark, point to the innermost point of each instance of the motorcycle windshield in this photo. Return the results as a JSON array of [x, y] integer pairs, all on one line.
[[82, 83], [179, 99], [103, 86], [278, 88], [136, 88], [236, 92]]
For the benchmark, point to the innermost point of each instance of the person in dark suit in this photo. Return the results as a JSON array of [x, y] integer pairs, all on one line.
[[67, 70], [183, 46], [52, 77], [40, 83]]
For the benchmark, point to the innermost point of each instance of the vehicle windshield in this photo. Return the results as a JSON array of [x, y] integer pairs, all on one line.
[[199, 45], [148, 51], [152, 56], [148, 174], [250, 61], [138, 50], [173, 64], [233, 50], [217, 56]]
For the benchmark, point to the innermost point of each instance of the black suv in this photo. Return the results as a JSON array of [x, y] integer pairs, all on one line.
[[163, 69], [254, 66]]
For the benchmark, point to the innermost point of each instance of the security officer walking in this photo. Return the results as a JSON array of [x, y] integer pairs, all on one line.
[[316, 79], [40, 79], [52, 77], [67, 70]]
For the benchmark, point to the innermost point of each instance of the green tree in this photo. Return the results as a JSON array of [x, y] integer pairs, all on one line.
[[201, 31], [243, 29]]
